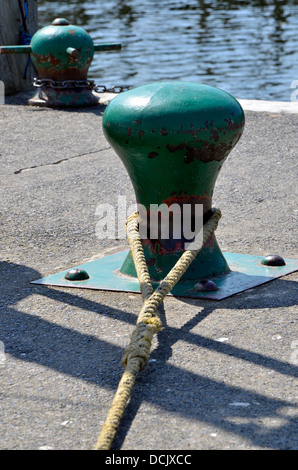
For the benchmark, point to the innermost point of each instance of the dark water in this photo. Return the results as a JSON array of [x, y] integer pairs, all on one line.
[[249, 49]]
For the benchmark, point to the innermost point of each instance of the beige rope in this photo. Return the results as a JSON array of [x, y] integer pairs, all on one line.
[[148, 323]]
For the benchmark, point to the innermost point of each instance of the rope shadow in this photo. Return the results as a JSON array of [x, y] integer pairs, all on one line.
[[158, 375], [205, 395]]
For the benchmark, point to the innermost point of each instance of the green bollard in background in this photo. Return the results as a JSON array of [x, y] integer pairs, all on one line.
[[62, 54]]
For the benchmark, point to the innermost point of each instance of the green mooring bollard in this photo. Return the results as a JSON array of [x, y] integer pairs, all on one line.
[[173, 138], [62, 54]]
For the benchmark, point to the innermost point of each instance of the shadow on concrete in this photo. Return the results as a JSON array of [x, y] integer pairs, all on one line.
[[30, 338], [207, 400]]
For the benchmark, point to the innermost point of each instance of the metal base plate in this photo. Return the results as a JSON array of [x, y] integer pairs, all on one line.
[[246, 272]]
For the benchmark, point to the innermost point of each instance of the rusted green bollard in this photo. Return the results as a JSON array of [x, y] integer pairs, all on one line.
[[173, 138], [62, 54]]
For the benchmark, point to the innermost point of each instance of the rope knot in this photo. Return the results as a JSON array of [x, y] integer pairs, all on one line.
[[140, 342]]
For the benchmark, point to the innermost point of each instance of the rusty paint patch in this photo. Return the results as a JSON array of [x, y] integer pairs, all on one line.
[[232, 126], [54, 61], [214, 131], [152, 154], [176, 147], [47, 59], [209, 151], [191, 199], [214, 134]]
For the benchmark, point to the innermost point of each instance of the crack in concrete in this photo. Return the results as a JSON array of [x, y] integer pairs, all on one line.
[[34, 167]]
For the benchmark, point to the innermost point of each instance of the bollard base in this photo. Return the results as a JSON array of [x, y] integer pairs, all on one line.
[[246, 272], [63, 98]]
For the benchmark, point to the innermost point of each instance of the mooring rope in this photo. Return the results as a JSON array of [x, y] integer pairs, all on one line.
[[148, 323]]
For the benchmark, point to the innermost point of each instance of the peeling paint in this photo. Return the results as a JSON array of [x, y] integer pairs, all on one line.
[[152, 154], [209, 151]]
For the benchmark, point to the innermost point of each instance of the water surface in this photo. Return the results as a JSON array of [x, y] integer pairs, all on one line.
[[249, 49]]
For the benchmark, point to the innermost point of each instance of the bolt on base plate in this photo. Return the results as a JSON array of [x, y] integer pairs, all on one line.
[[247, 271]]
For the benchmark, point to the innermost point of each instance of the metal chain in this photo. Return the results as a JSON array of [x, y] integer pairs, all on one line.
[[114, 89], [90, 84], [40, 82]]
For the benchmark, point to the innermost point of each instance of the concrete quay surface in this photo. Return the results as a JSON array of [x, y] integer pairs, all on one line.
[[222, 374]]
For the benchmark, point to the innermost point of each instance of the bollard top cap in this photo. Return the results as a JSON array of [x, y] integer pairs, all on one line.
[[60, 22]]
